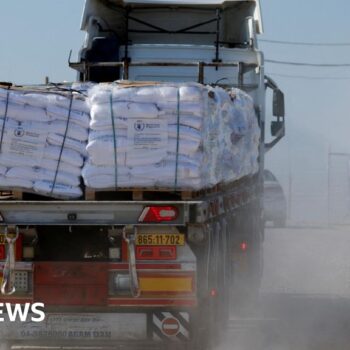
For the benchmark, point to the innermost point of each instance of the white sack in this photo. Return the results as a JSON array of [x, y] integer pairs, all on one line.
[[17, 161], [73, 131], [101, 151], [105, 123], [45, 187], [60, 113], [6, 182], [188, 93], [75, 145], [67, 155], [34, 174], [23, 112]]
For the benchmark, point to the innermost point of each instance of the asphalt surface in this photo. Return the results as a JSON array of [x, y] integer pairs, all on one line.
[[304, 301]]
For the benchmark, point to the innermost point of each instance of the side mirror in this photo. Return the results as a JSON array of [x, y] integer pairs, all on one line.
[[277, 128], [278, 103]]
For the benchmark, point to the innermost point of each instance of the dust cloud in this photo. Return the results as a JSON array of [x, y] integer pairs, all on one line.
[[304, 299]]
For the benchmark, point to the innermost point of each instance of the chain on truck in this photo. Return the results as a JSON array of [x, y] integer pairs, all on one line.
[[147, 268]]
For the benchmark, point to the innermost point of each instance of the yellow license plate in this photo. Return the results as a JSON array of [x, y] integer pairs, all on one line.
[[160, 239]]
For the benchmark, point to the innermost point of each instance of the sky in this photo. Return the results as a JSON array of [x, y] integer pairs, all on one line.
[[317, 113], [38, 35]]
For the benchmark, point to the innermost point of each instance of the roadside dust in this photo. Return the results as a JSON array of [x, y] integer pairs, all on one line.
[[304, 299]]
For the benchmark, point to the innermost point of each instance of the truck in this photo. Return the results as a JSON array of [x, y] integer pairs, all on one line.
[[146, 268]]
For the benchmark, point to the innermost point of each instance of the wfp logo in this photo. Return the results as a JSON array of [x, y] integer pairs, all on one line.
[[23, 313], [139, 126]]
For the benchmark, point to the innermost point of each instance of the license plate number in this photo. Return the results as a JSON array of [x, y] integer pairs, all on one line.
[[160, 239]]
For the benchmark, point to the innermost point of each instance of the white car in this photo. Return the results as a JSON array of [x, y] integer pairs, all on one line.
[[275, 206]]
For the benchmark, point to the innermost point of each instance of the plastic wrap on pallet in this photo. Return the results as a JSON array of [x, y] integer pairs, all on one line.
[[43, 137], [176, 136]]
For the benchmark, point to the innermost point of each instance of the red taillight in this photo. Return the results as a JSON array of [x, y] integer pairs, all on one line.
[[213, 293], [158, 214], [243, 246]]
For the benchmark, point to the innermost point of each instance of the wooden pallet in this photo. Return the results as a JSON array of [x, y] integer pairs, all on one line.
[[136, 194], [16, 194], [140, 194], [24, 194]]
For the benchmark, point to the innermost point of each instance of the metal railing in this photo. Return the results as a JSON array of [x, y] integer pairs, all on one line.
[[84, 67]]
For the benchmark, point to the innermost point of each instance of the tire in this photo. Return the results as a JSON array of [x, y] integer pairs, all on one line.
[[247, 273], [206, 332]]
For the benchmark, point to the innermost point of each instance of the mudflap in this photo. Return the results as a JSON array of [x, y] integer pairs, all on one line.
[[171, 326]]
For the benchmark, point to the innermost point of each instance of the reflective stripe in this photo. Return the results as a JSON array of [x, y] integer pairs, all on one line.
[[166, 284]]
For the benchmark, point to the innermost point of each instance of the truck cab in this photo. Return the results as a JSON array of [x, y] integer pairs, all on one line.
[[211, 42]]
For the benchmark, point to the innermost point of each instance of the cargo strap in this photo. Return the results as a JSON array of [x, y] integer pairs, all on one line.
[[5, 117], [8, 279], [177, 140], [58, 86], [63, 143], [114, 141], [130, 240]]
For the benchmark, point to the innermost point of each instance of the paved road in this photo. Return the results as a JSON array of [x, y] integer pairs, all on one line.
[[305, 295]]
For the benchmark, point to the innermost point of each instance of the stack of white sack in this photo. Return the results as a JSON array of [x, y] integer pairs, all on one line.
[[43, 136], [239, 136], [178, 136]]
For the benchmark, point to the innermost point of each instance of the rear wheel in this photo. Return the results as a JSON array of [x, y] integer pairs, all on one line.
[[213, 261], [227, 275], [206, 331], [247, 260]]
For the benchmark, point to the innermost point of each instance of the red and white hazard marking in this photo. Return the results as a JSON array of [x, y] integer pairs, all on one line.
[[170, 327]]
